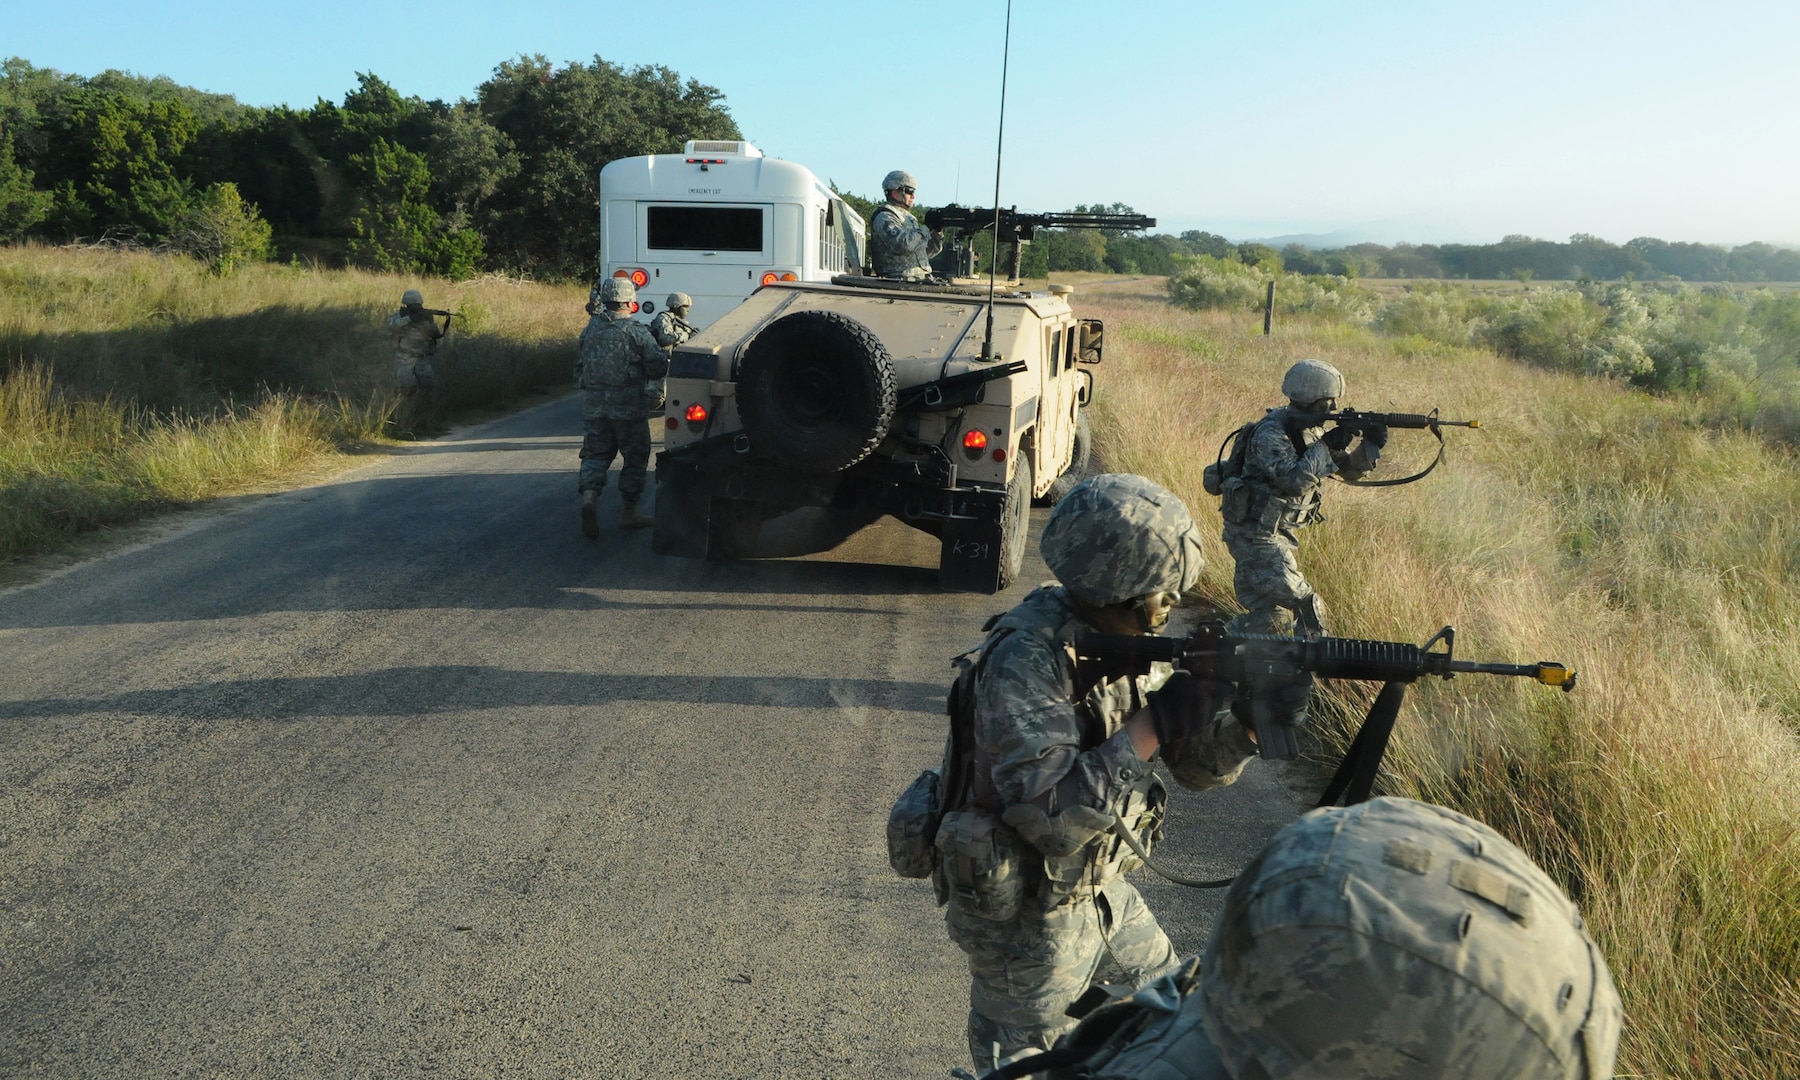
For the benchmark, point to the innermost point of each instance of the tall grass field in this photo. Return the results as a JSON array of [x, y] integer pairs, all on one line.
[[1588, 522], [130, 381]]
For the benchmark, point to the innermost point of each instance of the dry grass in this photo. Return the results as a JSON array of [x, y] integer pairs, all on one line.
[[130, 381], [1587, 523]]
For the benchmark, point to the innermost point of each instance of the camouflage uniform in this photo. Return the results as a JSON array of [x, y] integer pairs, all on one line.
[[670, 330], [1284, 486], [1049, 746], [415, 340], [899, 245], [618, 357], [1392, 940]]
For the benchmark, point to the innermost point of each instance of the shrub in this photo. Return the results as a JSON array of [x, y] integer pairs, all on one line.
[[223, 231]]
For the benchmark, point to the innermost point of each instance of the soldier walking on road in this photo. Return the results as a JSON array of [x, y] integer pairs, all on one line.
[[618, 359], [416, 333], [1279, 490], [1027, 855], [899, 245]]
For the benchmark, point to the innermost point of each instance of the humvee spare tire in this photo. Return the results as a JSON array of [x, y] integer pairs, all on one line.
[[816, 391]]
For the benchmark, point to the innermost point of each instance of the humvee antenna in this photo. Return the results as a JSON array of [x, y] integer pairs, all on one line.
[[987, 342]]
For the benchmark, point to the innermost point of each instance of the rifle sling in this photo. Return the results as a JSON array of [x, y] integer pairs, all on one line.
[[1420, 475], [1355, 776]]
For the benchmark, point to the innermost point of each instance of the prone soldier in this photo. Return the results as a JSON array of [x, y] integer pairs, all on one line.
[[617, 365], [1390, 940]]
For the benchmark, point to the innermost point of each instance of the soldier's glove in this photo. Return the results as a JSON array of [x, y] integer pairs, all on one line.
[[1338, 437], [1376, 435], [1182, 706]]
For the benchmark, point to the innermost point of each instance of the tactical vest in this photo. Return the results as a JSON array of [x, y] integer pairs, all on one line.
[[983, 863]]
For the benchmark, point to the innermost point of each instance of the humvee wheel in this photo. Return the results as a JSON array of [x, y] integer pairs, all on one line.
[[1078, 463], [1015, 523], [816, 391]]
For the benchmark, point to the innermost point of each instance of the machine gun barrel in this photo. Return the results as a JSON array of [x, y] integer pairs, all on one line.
[[1013, 225]]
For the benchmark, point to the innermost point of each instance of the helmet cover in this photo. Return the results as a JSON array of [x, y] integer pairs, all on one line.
[[1118, 537]]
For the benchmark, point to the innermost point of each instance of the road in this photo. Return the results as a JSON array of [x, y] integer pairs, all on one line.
[[396, 775]]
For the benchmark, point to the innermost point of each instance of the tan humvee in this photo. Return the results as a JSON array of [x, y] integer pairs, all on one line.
[[813, 409]]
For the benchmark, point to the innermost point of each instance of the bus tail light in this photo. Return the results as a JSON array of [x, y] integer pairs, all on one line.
[[770, 277], [637, 276]]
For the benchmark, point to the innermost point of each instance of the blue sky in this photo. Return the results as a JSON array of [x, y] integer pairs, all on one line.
[[1400, 120]]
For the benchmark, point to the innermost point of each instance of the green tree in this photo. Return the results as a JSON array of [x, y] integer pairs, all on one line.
[[21, 205], [565, 123], [396, 227], [113, 159], [222, 230]]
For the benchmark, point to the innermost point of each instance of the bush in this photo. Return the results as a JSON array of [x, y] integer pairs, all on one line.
[[223, 231], [1206, 282]]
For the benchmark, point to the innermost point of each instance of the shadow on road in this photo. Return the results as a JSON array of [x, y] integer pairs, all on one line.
[[421, 691]]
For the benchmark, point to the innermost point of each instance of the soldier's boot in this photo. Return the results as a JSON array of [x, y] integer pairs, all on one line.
[[590, 514], [630, 518]]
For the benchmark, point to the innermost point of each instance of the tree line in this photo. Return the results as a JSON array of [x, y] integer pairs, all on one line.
[[1524, 258], [503, 180]]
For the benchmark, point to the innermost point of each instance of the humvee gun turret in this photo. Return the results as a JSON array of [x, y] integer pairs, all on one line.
[[835, 404]]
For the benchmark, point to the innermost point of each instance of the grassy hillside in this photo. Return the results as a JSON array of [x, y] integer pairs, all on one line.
[[130, 381], [1589, 523]]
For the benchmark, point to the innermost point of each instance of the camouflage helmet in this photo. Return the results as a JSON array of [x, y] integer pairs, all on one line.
[[898, 179], [1118, 537], [617, 290], [1411, 940], [1312, 380], [412, 298], [679, 300]]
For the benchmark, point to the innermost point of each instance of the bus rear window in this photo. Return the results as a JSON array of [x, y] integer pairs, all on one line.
[[706, 228]]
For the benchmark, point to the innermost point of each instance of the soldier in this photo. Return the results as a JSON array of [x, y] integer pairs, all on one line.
[[416, 335], [1284, 471], [618, 359], [1391, 940], [899, 246], [1027, 856], [670, 327]]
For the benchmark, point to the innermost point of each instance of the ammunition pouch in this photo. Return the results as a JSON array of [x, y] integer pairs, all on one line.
[[913, 825], [1234, 503], [979, 859]]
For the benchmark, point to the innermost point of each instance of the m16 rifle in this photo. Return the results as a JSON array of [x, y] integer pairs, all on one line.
[[1264, 670], [1012, 227], [1355, 421]]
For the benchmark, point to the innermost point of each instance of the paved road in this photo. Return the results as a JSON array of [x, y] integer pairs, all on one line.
[[397, 776]]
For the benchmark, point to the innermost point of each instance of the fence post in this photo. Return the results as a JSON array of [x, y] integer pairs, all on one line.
[[1269, 308]]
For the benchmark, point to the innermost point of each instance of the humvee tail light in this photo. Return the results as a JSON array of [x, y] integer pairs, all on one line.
[[770, 277], [696, 414], [671, 423], [999, 453], [974, 440]]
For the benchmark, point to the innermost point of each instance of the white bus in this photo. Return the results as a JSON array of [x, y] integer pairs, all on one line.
[[718, 221]]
